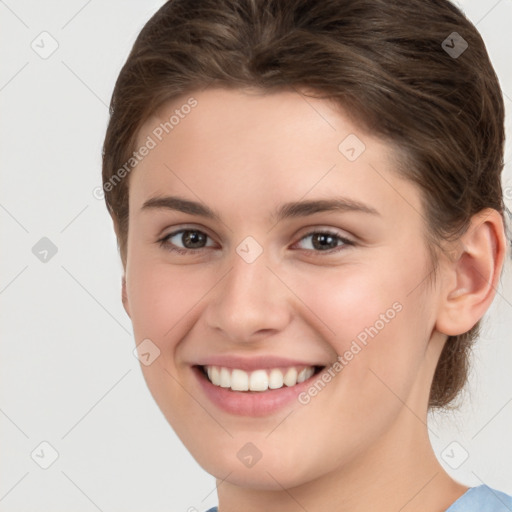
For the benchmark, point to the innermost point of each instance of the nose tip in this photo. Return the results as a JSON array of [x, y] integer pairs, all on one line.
[[250, 301]]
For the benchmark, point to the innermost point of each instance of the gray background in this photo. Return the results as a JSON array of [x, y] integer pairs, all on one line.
[[68, 374]]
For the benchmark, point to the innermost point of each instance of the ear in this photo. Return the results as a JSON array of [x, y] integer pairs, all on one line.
[[472, 276], [124, 297]]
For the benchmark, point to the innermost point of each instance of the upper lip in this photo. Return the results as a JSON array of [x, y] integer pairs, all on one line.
[[253, 363]]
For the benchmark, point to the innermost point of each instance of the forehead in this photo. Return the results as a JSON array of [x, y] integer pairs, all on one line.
[[261, 148]]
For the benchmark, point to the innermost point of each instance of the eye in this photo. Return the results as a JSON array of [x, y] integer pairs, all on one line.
[[325, 241], [193, 240]]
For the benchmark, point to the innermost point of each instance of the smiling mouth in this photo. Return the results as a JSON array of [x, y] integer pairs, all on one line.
[[235, 379]]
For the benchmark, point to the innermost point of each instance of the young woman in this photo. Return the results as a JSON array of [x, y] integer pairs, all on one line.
[[309, 211]]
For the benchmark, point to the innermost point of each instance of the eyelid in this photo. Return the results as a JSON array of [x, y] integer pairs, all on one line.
[[311, 230], [332, 231], [185, 227], [163, 240], [347, 241]]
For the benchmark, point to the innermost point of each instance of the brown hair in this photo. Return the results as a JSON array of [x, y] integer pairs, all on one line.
[[394, 67]]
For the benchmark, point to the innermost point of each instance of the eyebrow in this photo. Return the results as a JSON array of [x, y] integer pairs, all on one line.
[[285, 211]]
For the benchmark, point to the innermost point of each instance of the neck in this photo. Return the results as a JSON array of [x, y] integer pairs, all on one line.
[[400, 472]]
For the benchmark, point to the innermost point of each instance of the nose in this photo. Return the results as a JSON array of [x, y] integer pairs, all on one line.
[[250, 302]]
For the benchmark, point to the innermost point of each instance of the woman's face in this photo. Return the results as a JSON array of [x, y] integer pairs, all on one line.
[[273, 281]]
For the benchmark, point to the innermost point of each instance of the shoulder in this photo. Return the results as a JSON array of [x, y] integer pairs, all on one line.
[[482, 499], [477, 499]]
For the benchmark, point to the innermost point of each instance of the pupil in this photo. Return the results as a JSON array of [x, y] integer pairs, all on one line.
[[194, 238], [324, 240], [320, 240]]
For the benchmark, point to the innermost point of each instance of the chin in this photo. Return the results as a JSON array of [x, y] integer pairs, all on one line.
[[268, 474]]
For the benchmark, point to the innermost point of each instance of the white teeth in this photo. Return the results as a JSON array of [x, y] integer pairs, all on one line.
[[239, 380], [290, 378], [213, 374], [275, 380], [258, 380], [224, 378], [305, 374]]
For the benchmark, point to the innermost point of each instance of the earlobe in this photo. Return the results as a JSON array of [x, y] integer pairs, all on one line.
[[124, 297], [473, 276]]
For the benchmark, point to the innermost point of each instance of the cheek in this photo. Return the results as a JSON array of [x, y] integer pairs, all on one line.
[[162, 298], [347, 299], [374, 321]]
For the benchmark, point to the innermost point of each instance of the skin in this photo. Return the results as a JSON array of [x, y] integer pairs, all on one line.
[[363, 440]]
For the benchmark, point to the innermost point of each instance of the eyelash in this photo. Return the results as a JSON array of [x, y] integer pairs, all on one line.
[[164, 242]]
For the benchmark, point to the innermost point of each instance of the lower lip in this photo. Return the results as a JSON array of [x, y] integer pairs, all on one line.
[[251, 403]]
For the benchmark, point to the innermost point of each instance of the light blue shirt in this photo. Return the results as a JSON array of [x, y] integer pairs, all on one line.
[[476, 499], [482, 499]]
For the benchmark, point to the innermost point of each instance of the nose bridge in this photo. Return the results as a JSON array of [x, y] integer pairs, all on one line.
[[250, 298]]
